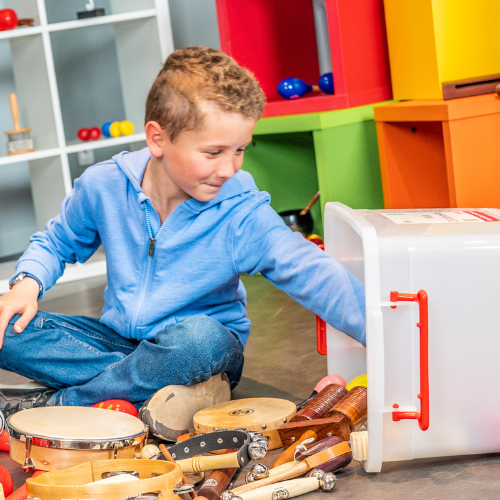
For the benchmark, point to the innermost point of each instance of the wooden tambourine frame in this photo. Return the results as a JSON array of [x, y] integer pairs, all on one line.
[[76, 483], [264, 415]]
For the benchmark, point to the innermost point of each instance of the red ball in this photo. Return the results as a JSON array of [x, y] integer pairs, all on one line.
[[83, 134], [6, 480], [94, 133], [118, 405], [8, 19]]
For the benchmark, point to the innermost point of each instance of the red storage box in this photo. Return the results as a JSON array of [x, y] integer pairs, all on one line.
[[276, 39]]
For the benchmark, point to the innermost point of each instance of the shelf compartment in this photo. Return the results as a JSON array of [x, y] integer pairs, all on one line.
[[62, 11], [433, 42], [114, 67], [31, 84], [276, 41], [440, 154]]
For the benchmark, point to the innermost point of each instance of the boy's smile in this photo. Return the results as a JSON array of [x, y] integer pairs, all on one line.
[[198, 162]]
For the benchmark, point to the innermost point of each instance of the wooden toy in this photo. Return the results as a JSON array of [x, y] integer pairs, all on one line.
[[321, 404], [354, 405], [105, 129], [288, 454], [294, 88], [126, 127], [94, 133], [19, 140], [83, 134], [115, 129]]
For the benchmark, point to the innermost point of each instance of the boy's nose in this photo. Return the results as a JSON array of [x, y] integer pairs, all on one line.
[[228, 167]]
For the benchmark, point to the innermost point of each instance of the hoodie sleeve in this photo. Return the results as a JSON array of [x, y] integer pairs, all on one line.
[[263, 243], [67, 238]]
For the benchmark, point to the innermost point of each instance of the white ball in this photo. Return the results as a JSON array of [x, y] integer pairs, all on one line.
[[150, 450]]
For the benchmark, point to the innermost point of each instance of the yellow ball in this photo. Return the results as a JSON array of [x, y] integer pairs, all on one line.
[[115, 129], [358, 381], [126, 127]]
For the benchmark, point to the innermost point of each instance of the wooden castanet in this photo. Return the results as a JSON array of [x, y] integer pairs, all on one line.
[[337, 425], [321, 404], [287, 455], [354, 406], [78, 482], [264, 415], [299, 469]]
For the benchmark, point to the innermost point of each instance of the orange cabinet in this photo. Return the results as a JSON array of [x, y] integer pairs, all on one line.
[[436, 153]]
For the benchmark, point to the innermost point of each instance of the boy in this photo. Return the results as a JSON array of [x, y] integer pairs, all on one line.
[[179, 222]]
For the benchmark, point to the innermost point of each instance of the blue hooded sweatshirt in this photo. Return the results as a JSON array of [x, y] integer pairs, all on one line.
[[194, 265]]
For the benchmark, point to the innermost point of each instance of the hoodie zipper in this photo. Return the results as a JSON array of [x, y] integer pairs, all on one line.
[[151, 254]]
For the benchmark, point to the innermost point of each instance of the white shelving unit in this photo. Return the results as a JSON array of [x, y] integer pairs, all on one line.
[[143, 39]]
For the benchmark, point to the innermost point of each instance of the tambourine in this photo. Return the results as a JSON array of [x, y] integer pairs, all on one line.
[[157, 479], [59, 437], [264, 415]]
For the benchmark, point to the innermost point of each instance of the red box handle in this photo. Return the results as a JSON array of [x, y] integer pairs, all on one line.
[[321, 336], [423, 324]]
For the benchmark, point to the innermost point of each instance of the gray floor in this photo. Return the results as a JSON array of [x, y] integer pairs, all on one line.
[[281, 361]]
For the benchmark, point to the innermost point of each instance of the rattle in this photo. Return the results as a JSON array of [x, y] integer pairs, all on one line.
[[287, 489], [300, 468], [294, 88]]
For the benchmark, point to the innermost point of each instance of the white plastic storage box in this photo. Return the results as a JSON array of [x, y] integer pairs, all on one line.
[[448, 391]]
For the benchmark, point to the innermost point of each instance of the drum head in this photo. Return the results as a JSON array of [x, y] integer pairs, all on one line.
[[76, 423], [251, 414]]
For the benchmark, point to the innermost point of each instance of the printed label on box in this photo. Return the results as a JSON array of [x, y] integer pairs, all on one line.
[[439, 217]]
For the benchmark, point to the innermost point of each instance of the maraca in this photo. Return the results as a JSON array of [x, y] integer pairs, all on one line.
[[294, 88]]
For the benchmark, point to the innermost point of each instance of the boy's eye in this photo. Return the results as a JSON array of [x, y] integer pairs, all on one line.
[[241, 150], [213, 153]]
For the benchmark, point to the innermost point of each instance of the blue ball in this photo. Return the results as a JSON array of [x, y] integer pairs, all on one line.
[[105, 129], [293, 88], [325, 83]]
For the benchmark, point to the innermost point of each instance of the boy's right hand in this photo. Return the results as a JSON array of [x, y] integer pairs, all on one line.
[[22, 299]]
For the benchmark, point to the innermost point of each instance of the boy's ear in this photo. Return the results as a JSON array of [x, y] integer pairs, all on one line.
[[155, 138]]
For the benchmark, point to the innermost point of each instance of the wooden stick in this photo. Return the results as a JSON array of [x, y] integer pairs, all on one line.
[[288, 454], [308, 207], [291, 488], [169, 458], [201, 463]]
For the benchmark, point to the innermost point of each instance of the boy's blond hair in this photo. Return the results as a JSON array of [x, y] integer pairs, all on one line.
[[193, 74]]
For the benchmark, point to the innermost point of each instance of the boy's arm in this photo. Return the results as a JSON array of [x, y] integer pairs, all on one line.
[[262, 243], [68, 238]]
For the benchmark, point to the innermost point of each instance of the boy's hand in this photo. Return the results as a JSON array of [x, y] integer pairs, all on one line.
[[22, 299]]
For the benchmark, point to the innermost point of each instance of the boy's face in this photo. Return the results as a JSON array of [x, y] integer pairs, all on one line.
[[199, 162]]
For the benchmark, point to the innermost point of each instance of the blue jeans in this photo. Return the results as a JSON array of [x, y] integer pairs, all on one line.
[[88, 362]]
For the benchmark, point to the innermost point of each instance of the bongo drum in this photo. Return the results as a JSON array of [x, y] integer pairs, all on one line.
[[60, 437], [264, 415]]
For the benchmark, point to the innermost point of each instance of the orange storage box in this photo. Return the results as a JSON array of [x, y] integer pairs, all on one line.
[[438, 154]]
